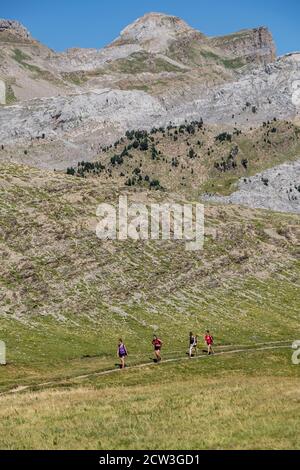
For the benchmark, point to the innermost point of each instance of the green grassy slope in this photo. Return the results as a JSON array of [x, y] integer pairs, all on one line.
[[195, 158], [65, 294], [66, 297]]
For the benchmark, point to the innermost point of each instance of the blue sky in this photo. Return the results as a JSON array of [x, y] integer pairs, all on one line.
[[94, 23]]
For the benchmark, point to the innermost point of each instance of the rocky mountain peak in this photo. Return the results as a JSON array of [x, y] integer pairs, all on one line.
[[154, 31], [14, 28]]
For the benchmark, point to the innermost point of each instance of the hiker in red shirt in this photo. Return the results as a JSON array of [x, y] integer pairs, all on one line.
[[157, 343], [209, 341]]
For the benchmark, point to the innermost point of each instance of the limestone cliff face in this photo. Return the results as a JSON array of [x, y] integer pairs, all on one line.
[[104, 115], [253, 45]]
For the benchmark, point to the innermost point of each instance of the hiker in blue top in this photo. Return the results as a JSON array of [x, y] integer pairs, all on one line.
[[122, 353]]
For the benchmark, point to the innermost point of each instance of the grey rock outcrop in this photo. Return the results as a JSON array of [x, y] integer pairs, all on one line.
[[2, 92], [277, 189], [78, 114], [15, 28]]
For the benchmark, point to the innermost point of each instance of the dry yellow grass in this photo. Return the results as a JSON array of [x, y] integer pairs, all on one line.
[[198, 413]]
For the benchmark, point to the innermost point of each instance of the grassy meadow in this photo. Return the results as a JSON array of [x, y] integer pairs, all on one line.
[[67, 297], [245, 401]]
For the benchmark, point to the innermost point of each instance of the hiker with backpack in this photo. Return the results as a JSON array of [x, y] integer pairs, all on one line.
[[192, 344], [157, 343], [122, 353], [208, 338]]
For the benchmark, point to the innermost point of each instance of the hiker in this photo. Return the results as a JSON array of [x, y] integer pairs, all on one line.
[[122, 353], [192, 344], [209, 341], [157, 343]]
